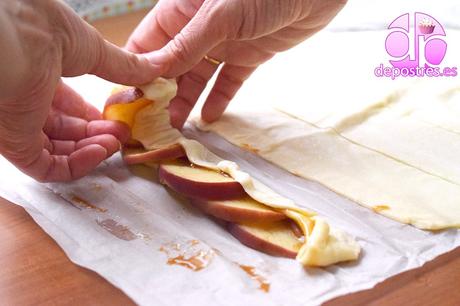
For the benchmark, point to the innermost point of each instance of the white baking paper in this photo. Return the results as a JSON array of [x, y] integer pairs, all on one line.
[[152, 222], [156, 218]]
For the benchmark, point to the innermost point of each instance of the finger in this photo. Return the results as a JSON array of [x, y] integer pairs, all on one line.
[[229, 81], [192, 43], [61, 168], [84, 160], [190, 87], [151, 33], [109, 142], [118, 129], [58, 147], [71, 103], [59, 126], [61, 147], [161, 24], [85, 51], [45, 167], [67, 147]]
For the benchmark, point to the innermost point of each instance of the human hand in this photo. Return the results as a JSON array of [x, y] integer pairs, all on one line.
[[46, 129], [241, 33]]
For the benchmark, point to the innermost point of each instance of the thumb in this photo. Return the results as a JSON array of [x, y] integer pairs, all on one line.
[[205, 31], [85, 51]]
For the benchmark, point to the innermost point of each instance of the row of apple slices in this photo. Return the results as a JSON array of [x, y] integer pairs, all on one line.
[[217, 194], [252, 223]]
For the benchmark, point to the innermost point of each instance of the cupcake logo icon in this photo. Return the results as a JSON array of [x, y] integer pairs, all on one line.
[[426, 26], [416, 46]]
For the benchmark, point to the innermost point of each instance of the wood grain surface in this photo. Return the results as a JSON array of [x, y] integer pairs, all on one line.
[[35, 271]]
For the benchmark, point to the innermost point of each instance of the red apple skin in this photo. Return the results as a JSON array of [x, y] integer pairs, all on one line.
[[235, 214], [201, 190], [133, 144], [295, 228], [123, 96], [257, 243], [155, 156]]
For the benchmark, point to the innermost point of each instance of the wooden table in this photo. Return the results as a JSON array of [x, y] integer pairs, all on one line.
[[35, 270]]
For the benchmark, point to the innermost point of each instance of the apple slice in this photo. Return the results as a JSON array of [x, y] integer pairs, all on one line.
[[198, 182], [124, 94], [239, 210], [133, 144], [273, 238], [155, 156], [124, 104]]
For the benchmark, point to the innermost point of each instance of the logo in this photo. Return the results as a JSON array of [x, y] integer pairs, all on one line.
[[417, 50]]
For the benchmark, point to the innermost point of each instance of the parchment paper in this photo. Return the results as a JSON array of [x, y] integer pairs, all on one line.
[[156, 218], [126, 227]]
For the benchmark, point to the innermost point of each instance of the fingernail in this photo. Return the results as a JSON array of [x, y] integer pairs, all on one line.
[[155, 57], [158, 59]]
